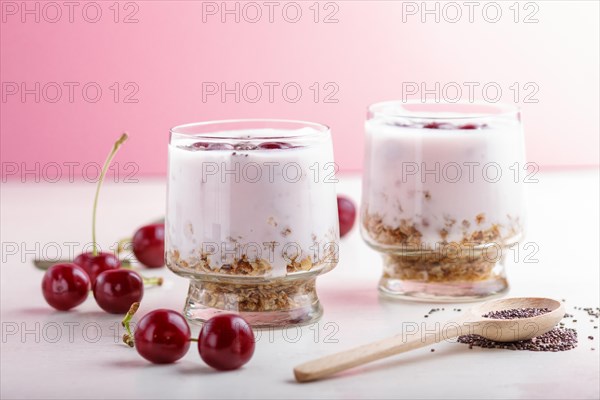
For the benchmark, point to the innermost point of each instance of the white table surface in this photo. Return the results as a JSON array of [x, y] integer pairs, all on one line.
[[564, 223]]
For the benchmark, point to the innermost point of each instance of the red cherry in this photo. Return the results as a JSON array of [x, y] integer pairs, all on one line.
[[115, 290], [226, 342], [65, 286], [162, 336], [149, 245], [346, 214], [94, 265], [274, 145]]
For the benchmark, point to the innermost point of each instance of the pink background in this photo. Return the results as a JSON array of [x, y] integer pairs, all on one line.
[[368, 54]]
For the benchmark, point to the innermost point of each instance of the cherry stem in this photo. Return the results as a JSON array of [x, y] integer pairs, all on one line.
[[111, 155], [193, 340], [123, 245], [153, 281], [128, 337]]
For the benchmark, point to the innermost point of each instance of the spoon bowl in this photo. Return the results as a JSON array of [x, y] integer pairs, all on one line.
[[512, 330]]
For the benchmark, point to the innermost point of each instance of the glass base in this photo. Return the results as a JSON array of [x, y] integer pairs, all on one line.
[[429, 277], [275, 304], [443, 292]]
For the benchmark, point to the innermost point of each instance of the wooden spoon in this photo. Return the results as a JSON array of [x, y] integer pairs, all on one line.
[[471, 322]]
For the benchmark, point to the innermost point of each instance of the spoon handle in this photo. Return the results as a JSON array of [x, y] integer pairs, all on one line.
[[333, 363]]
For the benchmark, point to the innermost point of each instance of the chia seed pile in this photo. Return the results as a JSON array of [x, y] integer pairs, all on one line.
[[516, 313], [557, 339]]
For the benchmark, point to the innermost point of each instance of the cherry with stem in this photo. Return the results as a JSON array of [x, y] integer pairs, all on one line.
[[105, 167], [161, 336], [226, 341], [96, 262]]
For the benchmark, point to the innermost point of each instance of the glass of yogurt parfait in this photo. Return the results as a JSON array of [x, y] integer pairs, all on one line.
[[442, 197], [252, 218]]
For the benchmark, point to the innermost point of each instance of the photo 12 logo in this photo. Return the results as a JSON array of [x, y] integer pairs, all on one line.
[[67, 171], [54, 332], [53, 12], [454, 92], [267, 172], [253, 12], [270, 92], [470, 11], [69, 92]]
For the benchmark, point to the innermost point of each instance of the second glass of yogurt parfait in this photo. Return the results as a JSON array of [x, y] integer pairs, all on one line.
[[252, 218], [442, 197]]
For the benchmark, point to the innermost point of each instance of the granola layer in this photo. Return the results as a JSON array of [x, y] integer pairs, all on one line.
[[443, 261], [433, 267], [277, 296], [244, 266]]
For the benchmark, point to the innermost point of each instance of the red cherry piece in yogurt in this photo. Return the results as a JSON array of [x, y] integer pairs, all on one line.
[[438, 125], [220, 146], [432, 125], [211, 146], [469, 126], [245, 146], [274, 145]]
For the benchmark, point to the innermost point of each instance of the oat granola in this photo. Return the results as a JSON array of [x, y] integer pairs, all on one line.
[[243, 266], [276, 296], [444, 261]]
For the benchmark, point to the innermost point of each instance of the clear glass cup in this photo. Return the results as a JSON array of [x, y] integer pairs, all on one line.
[[442, 197], [252, 218]]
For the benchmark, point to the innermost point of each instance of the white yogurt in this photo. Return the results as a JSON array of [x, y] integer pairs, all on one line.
[[435, 176], [272, 204]]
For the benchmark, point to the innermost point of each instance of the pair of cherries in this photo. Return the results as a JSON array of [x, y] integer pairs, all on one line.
[[148, 245], [67, 285], [163, 336]]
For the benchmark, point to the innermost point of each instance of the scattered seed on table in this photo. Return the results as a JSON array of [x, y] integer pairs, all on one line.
[[558, 339], [591, 337], [432, 350]]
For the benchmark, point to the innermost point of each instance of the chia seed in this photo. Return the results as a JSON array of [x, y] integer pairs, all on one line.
[[516, 313], [557, 339]]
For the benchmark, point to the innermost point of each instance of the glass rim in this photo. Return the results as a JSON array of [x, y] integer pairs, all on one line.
[[318, 128], [377, 110]]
